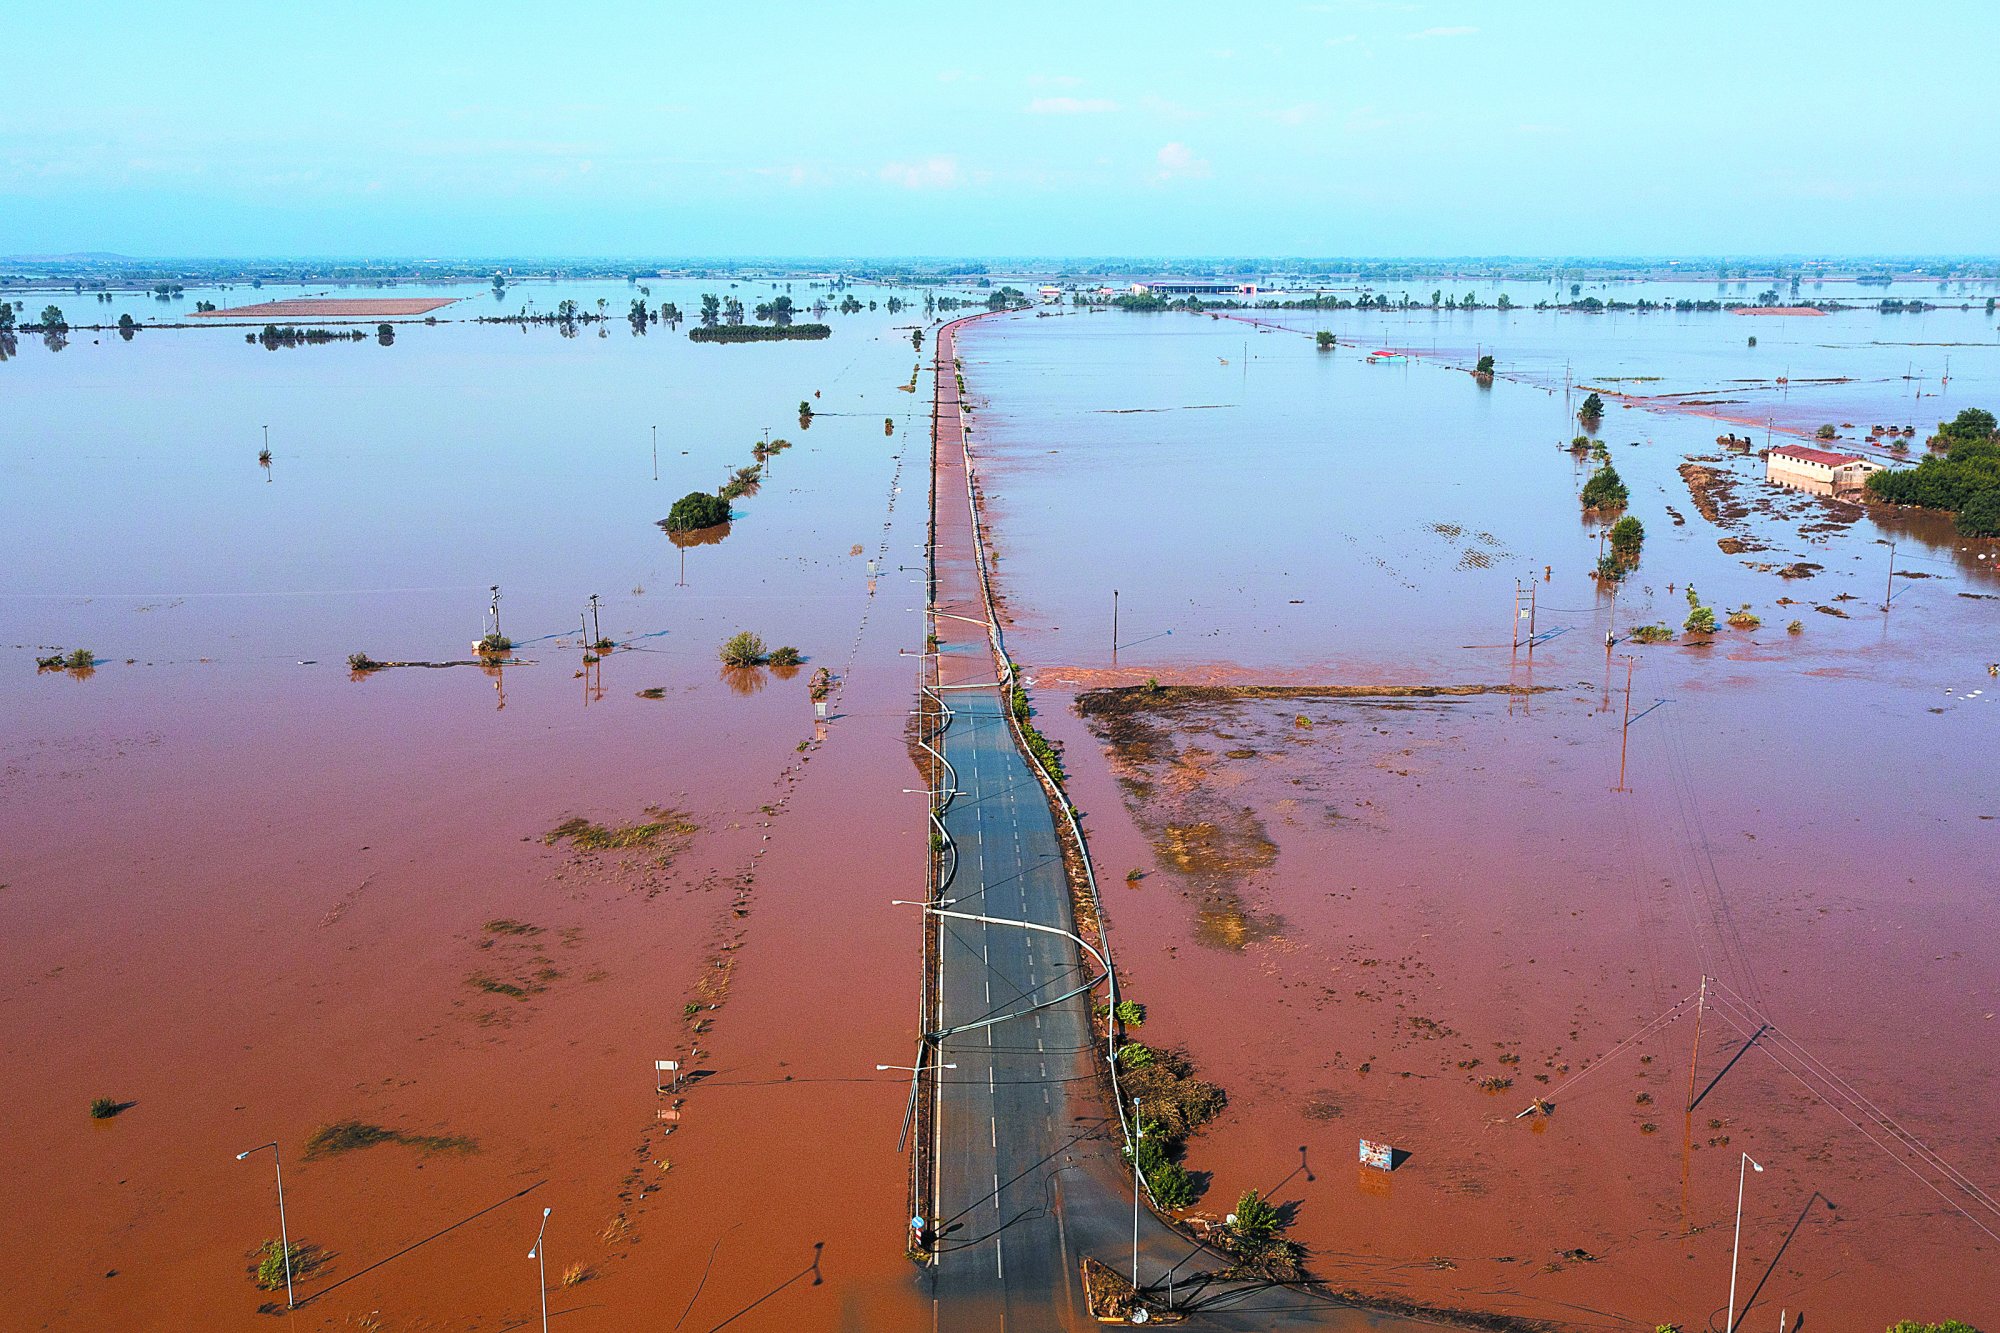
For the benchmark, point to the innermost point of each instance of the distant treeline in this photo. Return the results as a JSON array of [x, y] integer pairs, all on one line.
[[757, 333]]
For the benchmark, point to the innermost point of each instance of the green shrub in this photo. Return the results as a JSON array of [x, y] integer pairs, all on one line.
[[1948, 1326], [743, 649], [1604, 490], [362, 662], [271, 1269], [1485, 366], [1592, 409], [495, 645], [787, 656], [1133, 1055], [1743, 618], [1173, 1188], [1255, 1217], [1131, 1012], [103, 1108], [1701, 620], [1628, 535], [1323, 340], [697, 509]]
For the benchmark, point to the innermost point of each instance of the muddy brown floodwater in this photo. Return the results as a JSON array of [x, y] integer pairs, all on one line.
[[248, 896], [1407, 918]]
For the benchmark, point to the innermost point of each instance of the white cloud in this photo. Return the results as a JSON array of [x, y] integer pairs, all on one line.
[[933, 173], [1463, 31], [1071, 106], [1177, 161]]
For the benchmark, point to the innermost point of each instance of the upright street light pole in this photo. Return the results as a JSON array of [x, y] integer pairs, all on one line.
[[284, 1235], [1736, 1244], [541, 1268], [1138, 1136]]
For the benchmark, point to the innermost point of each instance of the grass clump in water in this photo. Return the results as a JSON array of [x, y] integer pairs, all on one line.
[[103, 1108], [586, 836], [353, 1135], [268, 1265]]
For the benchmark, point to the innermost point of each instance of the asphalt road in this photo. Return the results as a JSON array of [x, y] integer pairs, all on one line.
[[1029, 1175]]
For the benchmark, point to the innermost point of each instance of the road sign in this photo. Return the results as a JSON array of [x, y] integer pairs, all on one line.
[[665, 1072], [1378, 1155]]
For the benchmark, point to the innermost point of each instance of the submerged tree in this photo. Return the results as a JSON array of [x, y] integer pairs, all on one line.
[[697, 509], [1592, 411], [1604, 490]]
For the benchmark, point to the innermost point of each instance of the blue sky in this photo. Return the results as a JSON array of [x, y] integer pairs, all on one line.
[[1395, 127]]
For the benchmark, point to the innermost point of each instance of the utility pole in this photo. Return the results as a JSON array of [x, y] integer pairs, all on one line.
[[656, 453], [598, 634], [496, 609], [1889, 591], [1138, 1134], [1114, 625]]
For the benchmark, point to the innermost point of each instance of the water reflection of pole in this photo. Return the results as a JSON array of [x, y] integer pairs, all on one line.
[[656, 453], [1114, 625], [1625, 730], [1687, 1126]]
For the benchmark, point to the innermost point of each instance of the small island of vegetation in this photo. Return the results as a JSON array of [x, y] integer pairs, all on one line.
[[697, 509], [757, 333], [1964, 482]]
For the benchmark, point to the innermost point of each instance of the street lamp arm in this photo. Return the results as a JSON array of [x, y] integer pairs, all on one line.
[[1027, 925], [1085, 988]]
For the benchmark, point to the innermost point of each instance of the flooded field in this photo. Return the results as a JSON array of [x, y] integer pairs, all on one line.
[[1406, 918], [250, 896]]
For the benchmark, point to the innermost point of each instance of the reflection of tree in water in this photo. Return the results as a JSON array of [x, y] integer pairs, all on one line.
[[697, 536], [785, 670], [744, 680]]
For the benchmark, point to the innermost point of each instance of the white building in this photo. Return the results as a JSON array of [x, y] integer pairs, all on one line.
[[1791, 464]]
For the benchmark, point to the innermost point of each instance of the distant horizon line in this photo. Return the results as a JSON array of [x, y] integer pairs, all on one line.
[[1031, 261]]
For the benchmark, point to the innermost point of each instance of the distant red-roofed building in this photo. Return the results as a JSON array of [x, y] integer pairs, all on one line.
[[1790, 464]]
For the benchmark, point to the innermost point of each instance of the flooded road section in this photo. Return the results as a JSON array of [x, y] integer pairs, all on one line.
[[1410, 917], [249, 897]]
